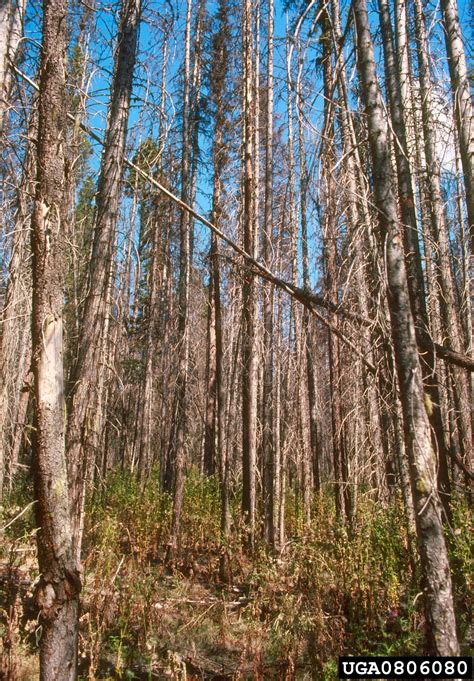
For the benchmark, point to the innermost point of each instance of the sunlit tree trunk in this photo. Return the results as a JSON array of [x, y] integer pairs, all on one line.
[[85, 417], [308, 345], [58, 589], [330, 241], [463, 108], [450, 322], [395, 70], [12, 14], [268, 447], [178, 442], [249, 354], [439, 610]]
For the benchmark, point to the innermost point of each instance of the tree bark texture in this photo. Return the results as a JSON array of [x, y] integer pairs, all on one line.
[[249, 356], [58, 589], [437, 588], [462, 102], [84, 424]]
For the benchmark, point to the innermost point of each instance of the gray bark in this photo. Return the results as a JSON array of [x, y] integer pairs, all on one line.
[[438, 599], [58, 590], [268, 444], [86, 398], [11, 26], [463, 108], [450, 322], [249, 355], [397, 79]]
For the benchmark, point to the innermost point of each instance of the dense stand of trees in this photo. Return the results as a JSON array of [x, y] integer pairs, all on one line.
[[253, 259]]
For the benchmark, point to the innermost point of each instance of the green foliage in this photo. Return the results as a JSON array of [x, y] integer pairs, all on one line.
[[329, 592], [338, 592], [460, 546]]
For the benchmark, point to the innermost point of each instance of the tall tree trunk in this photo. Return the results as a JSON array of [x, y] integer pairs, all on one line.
[[177, 449], [398, 97], [58, 590], [156, 283], [439, 610], [451, 325], [268, 448], [330, 238], [85, 419], [311, 379], [220, 67], [249, 355], [15, 340]]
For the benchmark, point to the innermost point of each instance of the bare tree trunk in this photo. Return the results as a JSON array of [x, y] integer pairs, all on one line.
[[311, 379], [268, 447], [11, 26], [249, 355], [156, 283], [85, 419], [58, 590], [463, 109], [397, 90], [220, 66], [451, 324], [224, 469], [210, 429], [15, 333], [330, 239], [177, 449], [359, 225], [439, 610]]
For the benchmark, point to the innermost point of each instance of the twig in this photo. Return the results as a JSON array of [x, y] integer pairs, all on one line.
[[32, 503]]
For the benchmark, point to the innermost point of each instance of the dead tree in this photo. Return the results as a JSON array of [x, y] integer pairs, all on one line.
[[87, 391], [438, 603], [58, 590]]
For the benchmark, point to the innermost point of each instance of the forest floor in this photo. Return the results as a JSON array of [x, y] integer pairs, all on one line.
[[284, 616]]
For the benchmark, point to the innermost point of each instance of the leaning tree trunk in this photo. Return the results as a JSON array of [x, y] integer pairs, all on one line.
[[84, 425], [58, 590], [439, 610]]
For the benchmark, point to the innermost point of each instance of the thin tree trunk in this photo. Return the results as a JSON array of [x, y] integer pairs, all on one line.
[[268, 447], [451, 325], [463, 109], [330, 238], [12, 14], [177, 449], [85, 419], [249, 355], [311, 380]]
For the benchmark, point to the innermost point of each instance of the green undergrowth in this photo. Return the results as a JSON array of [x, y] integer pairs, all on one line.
[[287, 614]]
